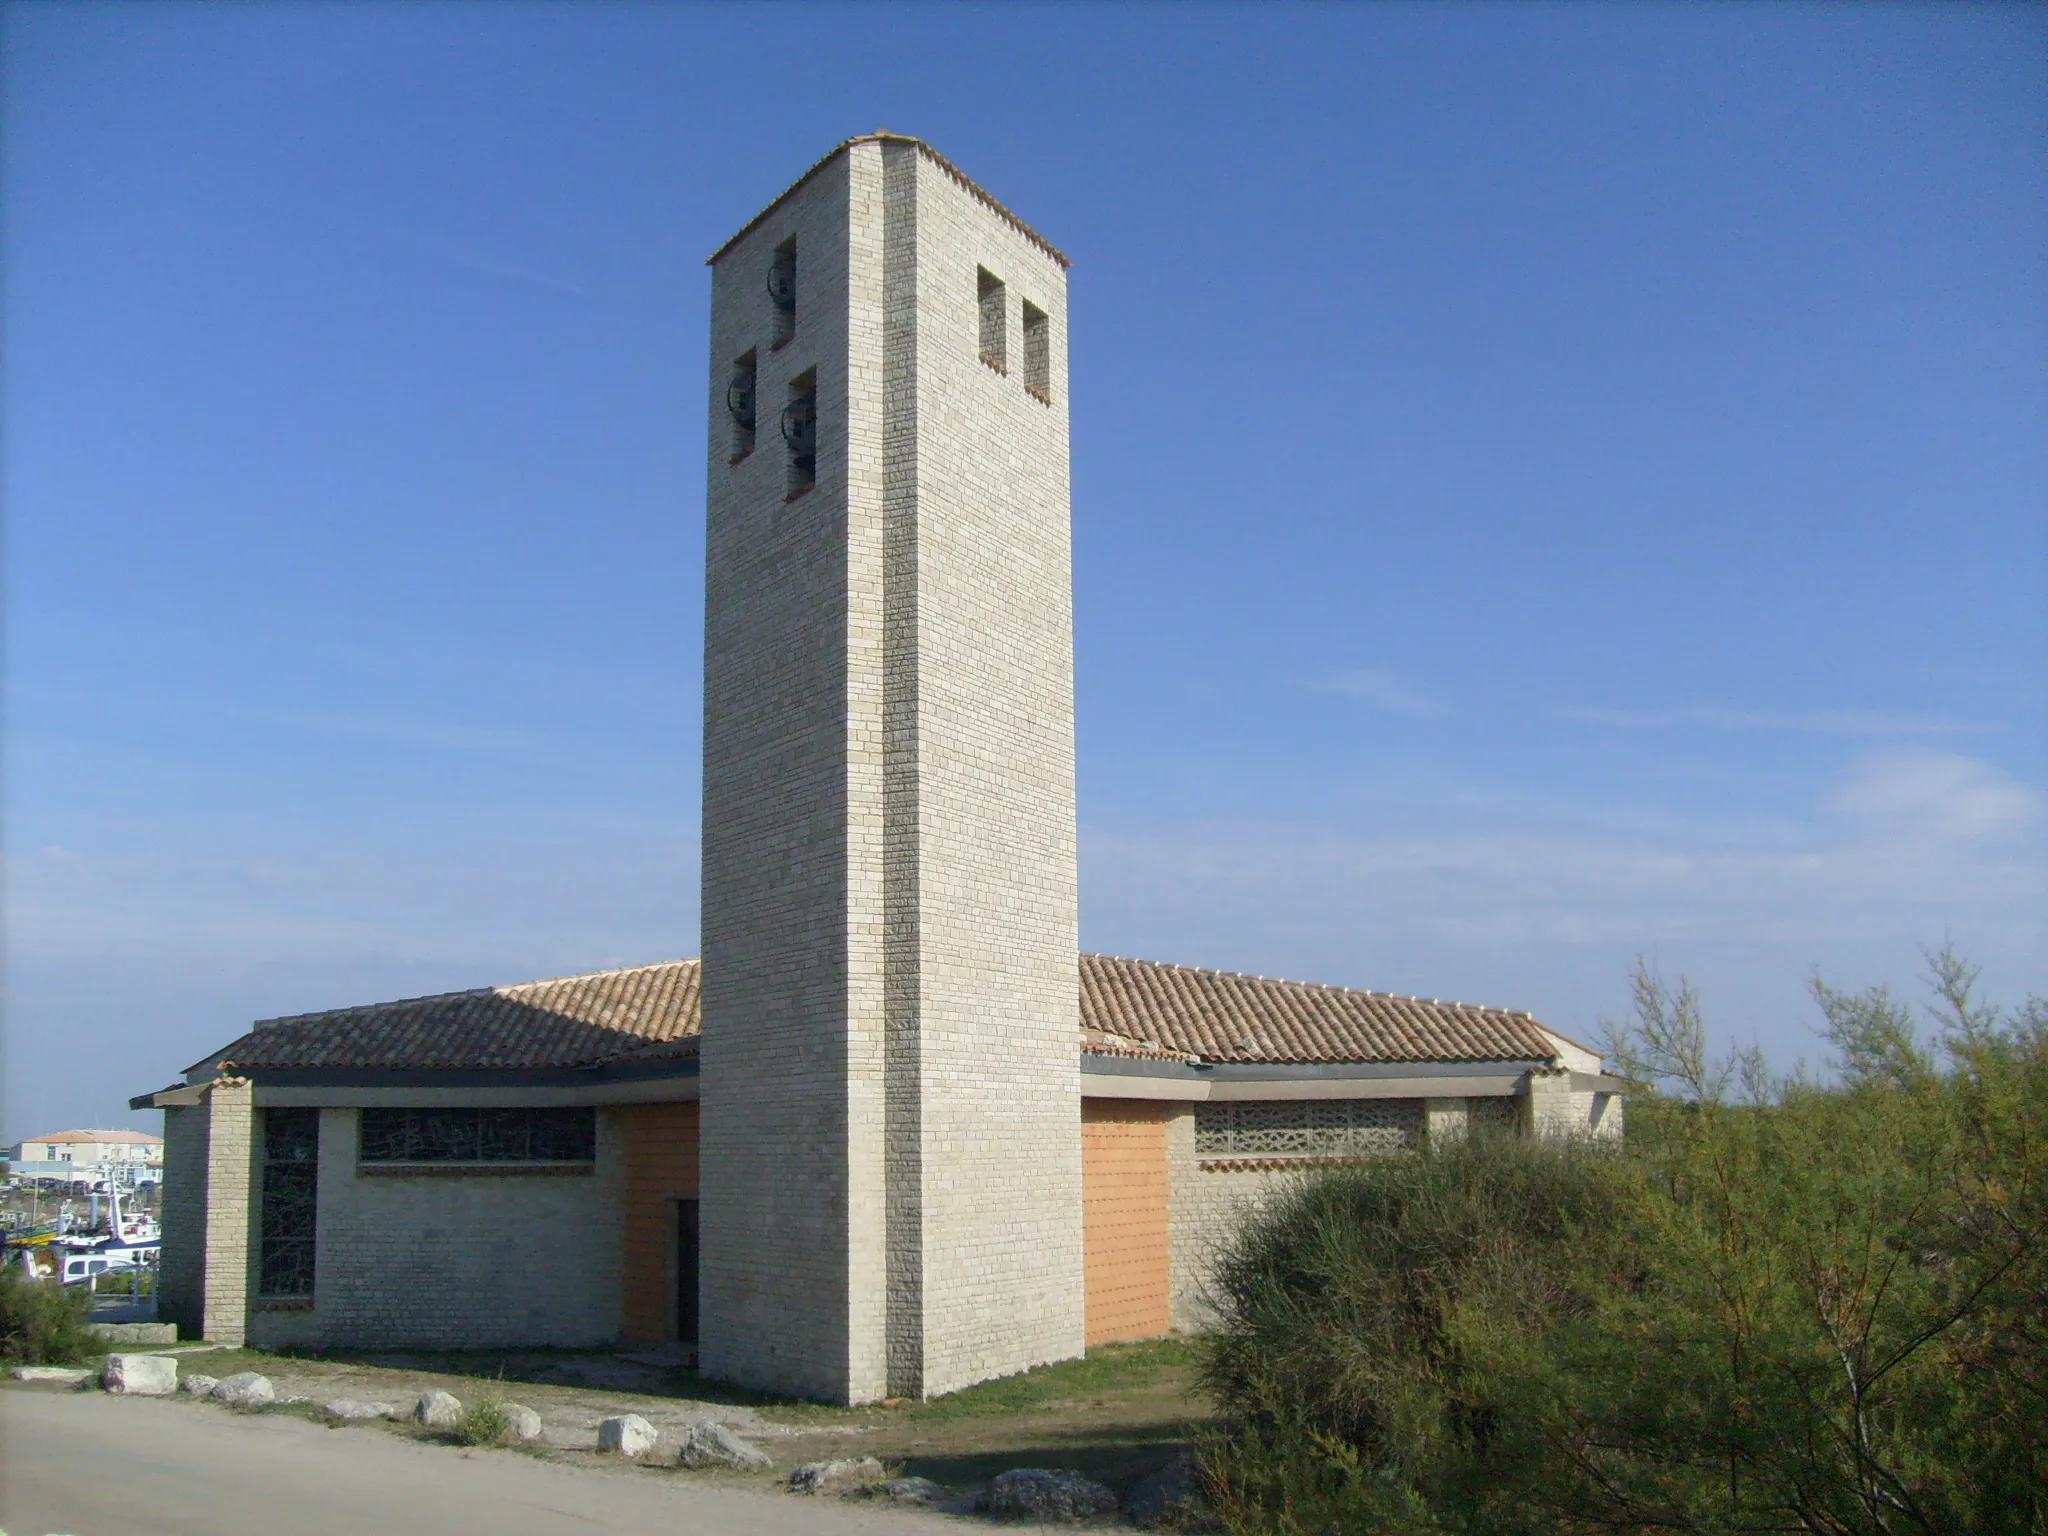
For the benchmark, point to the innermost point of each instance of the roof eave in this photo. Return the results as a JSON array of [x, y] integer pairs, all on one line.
[[980, 193]]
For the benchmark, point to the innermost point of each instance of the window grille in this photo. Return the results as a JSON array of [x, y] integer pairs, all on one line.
[[1498, 1112], [1307, 1127], [442, 1136], [291, 1202]]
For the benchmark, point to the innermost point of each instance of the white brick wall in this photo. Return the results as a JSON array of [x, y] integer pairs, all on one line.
[[458, 1261], [891, 1185]]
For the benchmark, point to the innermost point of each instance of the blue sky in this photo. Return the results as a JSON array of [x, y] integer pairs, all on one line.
[[1549, 484]]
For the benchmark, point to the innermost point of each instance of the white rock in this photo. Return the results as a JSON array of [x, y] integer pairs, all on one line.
[[626, 1433], [244, 1389], [713, 1445], [1032, 1493], [437, 1409], [140, 1375], [350, 1408], [197, 1384], [521, 1422], [62, 1375], [829, 1476]]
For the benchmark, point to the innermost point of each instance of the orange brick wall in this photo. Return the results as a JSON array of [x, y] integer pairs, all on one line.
[[1126, 1243], [661, 1164]]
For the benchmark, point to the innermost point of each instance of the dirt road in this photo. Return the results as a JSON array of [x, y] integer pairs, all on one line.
[[86, 1464]]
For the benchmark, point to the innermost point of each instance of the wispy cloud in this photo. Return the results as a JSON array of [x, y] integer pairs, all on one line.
[[1820, 722], [1384, 690]]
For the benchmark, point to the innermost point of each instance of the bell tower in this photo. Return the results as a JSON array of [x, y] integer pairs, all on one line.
[[891, 1166]]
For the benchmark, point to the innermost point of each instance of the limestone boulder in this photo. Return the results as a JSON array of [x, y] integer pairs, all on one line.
[[1033, 1493], [838, 1476], [437, 1409], [911, 1490], [713, 1445], [521, 1423], [140, 1375], [197, 1383], [53, 1375], [626, 1433], [244, 1389], [351, 1408]]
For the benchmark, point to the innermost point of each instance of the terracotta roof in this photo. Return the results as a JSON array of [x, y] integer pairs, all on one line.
[[1228, 1016], [570, 1021], [884, 136], [103, 1138], [1136, 1008]]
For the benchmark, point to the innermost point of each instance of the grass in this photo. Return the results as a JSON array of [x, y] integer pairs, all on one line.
[[1116, 1415]]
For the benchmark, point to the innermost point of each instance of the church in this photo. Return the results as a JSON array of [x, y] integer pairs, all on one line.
[[892, 1134]]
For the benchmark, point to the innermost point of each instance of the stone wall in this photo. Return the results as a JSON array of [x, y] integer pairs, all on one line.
[[457, 1260], [1207, 1206], [891, 1194]]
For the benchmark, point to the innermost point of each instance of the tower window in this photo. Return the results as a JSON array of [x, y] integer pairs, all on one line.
[[739, 405], [1037, 352], [782, 289], [800, 432], [995, 319]]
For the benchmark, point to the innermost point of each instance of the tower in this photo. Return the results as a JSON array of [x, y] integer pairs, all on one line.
[[891, 1185]]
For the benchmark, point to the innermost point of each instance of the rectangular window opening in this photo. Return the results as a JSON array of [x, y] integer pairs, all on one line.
[[1037, 353], [291, 1203], [739, 405], [782, 290], [1307, 1128], [800, 432], [995, 319], [477, 1137]]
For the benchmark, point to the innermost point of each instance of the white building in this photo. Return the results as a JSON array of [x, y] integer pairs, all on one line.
[[125, 1156]]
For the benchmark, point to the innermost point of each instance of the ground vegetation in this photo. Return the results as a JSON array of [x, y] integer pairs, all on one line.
[[1785, 1304]]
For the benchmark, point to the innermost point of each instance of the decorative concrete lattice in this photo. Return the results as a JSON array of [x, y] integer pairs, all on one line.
[[1307, 1127]]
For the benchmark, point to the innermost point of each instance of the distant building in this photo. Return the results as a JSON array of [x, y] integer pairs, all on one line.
[[129, 1157], [894, 1134]]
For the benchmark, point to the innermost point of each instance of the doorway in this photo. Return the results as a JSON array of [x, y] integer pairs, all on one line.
[[686, 1271]]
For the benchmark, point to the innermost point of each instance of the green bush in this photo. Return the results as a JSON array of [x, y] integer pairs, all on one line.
[[44, 1323], [483, 1422], [1815, 1309]]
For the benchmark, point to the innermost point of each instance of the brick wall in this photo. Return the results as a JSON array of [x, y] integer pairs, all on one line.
[[1126, 1229], [891, 1196], [660, 1143], [458, 1261]]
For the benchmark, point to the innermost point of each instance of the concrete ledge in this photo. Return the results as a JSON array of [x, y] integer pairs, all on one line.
[[135, 1333]]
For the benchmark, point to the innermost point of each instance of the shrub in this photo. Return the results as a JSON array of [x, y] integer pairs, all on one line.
[[1819, 1308], [44, 1323], [483, 1422]]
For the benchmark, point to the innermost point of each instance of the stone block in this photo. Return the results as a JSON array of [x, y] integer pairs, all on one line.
[[713, 1445], [437, 1409], [836, 1476], [140, 1375], [244, 1389], [54, 1375], [626, 1433], [521, 1423], [135, 1333], [1033, 1493], [350, 1408]]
